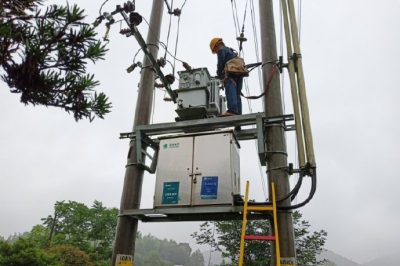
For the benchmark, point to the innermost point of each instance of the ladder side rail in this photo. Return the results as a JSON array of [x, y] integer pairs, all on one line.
[[244, 224], [276, 232]]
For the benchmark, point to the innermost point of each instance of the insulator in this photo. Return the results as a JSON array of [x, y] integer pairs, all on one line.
[[105, 38], [186, 66], [177, 12], [161, 62], [98, 21], [158, 85], [109, 17], [170, 78], [129, 6], [135, 18], [241, 38], [126, 32], [167, 99], [131, 68]]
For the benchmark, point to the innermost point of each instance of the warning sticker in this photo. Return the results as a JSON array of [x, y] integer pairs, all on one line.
[[170, 193], [124, 260], [290, 261], [209, 187]]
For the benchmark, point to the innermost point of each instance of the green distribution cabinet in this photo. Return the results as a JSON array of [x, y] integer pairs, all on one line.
[[197, 170]]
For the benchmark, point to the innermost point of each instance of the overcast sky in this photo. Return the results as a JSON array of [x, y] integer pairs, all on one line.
[[350, 52]]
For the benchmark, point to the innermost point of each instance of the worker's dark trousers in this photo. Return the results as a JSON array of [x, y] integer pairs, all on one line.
[[233, 88]]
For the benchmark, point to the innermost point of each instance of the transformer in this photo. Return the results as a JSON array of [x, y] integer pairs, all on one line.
[[197, 169], [198, 95]]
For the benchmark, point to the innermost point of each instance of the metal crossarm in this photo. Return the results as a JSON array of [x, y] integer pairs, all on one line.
[[266, 208]]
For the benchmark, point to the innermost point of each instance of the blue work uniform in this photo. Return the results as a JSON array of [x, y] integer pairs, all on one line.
[[232, 83]]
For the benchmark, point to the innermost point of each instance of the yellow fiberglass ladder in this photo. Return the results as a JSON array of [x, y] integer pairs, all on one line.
[[259, 208]]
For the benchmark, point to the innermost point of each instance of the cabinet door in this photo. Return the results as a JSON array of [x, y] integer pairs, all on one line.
[[213, 184], [173, 180]]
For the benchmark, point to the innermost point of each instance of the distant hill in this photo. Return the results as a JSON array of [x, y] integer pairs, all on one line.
[[333, 259], [338, 260], [389, 260]]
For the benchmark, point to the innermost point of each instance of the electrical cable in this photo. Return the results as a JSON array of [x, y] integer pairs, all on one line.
[[244, 16], [169, 28], [310, 195], [255, 142], [176, 44], [270, 76], [294, 191], [184, 3], [236, 15], [168, 7], [163, 45], [153, 107], [137, 52], [240, 38], [252, 12], [102, 5], [234, 21], [313, 176], [177, 37]]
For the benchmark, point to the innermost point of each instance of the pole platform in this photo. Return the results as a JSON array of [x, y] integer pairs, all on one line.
[[208, 124], [148, 135], [192, 213]]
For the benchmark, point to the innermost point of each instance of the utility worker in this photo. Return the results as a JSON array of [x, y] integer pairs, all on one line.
[[232, 83]]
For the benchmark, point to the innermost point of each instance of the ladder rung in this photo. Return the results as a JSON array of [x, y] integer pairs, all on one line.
[[260, 238], [260, 208]]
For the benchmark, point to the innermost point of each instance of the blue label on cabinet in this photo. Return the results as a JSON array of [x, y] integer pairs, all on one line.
[[170, 193], [209, 187]]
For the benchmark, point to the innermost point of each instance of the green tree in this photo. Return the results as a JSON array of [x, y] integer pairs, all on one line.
[[24, 252], [224, 236], [76, 234], [44, 53], [196, 259], [39, 235], [152, 251], [70, 256], [91, 229], [177, 254]]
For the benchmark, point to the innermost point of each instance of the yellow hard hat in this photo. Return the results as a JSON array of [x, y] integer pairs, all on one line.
[[214, 42]]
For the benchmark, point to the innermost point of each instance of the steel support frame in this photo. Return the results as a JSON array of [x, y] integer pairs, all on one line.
[[193, 214], [147, 136], [143, 133]]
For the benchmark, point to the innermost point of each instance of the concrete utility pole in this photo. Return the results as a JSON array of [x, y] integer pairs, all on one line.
[[132, 190], [276, 143]]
